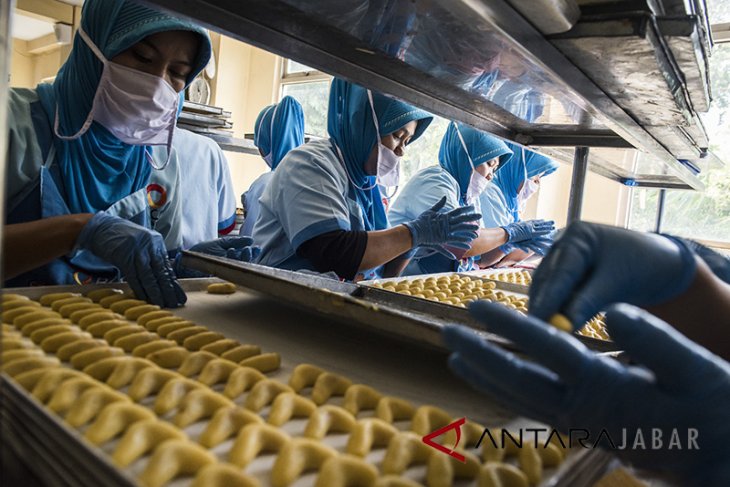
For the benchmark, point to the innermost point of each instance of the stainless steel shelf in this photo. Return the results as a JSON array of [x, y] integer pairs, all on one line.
[[479, 62]]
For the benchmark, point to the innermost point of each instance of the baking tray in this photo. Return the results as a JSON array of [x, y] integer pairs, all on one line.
[[60, 456], [406, 317], [455, 314], [346, 302]]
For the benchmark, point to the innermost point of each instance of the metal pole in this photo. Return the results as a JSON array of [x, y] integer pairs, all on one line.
[[660, 211], [6, 44], [577, 185]]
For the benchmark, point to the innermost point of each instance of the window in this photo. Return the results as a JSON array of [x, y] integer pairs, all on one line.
[[705, 215], [311, 89]]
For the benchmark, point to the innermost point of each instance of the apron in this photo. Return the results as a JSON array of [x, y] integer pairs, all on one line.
[[43, 199]]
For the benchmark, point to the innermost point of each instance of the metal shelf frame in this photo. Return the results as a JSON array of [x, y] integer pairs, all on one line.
[[279, 28]]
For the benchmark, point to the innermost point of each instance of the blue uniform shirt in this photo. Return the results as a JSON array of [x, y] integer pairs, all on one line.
[[309, 194], [424, 190]]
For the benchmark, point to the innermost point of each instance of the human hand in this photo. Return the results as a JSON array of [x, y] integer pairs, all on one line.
[[456, 228], [140, 255], [529, 229], [538, 245], [236, 248], [678, 391], [592, 266]]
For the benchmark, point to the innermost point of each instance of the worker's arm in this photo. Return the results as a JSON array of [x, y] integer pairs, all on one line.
[[515, 257], [385, 245], [702, 312], [488, 239], [27, 246], [593, 266]]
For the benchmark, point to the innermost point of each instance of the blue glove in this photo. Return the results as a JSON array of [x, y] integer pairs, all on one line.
[[526, 230], [679, 386], [456, 228], [236, 248], [718, 263], [538, 245], [138, 253], [591, 266]]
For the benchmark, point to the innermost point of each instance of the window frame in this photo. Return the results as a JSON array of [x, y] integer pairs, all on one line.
[[720, 33], [301, 77]]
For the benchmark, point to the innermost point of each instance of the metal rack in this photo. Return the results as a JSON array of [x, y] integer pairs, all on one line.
[[375, 43]]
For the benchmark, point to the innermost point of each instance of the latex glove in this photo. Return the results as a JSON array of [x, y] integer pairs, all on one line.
[[236, 248], [718, 263], [140, 255], [456, 228], [538, 245], [591, 266], [526, 230], [678, 386]]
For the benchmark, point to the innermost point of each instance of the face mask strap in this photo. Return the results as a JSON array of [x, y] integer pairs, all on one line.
[[375, 117], [90, 117], [90, 44], [471, 162], [342, 159]]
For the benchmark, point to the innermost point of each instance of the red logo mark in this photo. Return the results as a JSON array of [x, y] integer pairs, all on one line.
[[428, 439]]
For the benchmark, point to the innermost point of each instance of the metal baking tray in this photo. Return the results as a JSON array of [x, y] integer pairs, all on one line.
[[455, 314], [61, 457], [409, 318]]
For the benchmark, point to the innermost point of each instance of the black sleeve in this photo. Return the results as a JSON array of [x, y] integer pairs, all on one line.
[[340, 251]]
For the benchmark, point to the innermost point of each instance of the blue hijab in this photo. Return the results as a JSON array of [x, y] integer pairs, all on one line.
[[482, 148], [279, 128], [351, 128], [97, 169], [521, 166]]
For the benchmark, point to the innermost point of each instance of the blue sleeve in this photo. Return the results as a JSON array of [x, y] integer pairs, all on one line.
[[311, 197], [423, 191], [226, 195], [494, 210]]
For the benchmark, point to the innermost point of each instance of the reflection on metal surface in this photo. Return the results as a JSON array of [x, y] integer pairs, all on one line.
[[549, 16], [6, 7], [477, 62]]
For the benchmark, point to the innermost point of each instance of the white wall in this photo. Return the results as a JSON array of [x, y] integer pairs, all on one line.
[[247, 80], [604, 201]]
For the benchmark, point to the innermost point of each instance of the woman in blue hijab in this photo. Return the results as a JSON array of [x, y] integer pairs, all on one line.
[[322, 209], [468, 159], [279, 129], [79, 152], [503, 202]]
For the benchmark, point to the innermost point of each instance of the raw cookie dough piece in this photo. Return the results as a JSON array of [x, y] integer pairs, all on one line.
[[223, 475], [172, 458], [97, 294], [561, 322], [142, 437], [221, 288], [298, 456], [225, 423]]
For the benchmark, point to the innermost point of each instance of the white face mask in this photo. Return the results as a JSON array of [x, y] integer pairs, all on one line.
[[477, 182], [137, 108], [388, 173], [528, 189]]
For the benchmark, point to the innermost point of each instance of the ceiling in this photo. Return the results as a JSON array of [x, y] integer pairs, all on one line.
[[29, 28]]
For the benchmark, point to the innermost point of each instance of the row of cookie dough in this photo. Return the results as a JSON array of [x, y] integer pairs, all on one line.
[[303, 377]]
